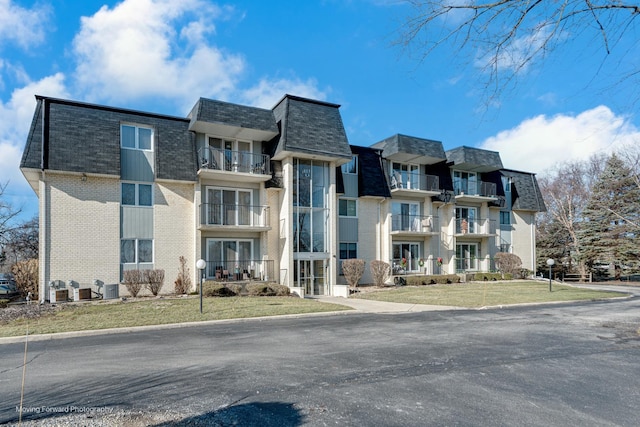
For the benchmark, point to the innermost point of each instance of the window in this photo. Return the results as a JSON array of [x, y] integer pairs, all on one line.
[[351, 167], [136, 251], [405, 176], [348, 250], [465, 182], [310, 205], [135, 137], [137, 194], [505, 218], [347, 207]]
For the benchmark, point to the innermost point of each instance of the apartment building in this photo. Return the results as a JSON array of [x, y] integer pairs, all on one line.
[[262, 194]]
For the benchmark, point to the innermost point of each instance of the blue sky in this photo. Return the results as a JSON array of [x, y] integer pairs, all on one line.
[[162, 55]]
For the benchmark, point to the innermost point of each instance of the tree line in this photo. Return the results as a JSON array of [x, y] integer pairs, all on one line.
[[592, 222]]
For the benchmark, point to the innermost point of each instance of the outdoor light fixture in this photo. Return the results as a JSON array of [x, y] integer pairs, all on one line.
[[200, 265], [550, 263]]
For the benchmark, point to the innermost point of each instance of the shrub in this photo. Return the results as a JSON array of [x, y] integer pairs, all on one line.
[[25, 273], [353, 269], [153, 280], [211, 288], [4, 303], [236, 288], [183, 281], [133, 280], [267, 289], [487, 276], [424, 280], [508, 263], [380, 272]]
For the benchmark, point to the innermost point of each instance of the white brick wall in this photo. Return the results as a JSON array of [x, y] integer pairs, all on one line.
[[174, 230], [82, 231]]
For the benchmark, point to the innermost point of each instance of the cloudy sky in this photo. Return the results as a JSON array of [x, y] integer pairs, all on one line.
[[162, 55]]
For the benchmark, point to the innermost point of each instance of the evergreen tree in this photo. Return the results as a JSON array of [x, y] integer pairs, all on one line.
[[608, 233]]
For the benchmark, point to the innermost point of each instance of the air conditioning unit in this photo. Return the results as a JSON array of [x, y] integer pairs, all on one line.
[[111, 291], [58, 295], [80, 294]]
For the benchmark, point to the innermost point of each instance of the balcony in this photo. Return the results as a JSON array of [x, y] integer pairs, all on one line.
[[470, 190], [238, 166], [408, 183], [231, 216], [414, 225], [475, 227], [240, 270]]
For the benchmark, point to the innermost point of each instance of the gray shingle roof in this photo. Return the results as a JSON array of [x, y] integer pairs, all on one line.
[[85, 138], [412, 149], [371, 177], [474, 159], [310, 127], [243, 116], [526, 193]]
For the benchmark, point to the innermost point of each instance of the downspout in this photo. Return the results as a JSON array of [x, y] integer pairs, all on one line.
[[44, 213]]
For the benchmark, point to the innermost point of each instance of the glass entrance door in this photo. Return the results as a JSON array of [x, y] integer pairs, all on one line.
[[310, 275]]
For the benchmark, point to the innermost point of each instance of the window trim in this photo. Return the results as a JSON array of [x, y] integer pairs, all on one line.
[[137, 251], [137, 127], [347, 200], [136, 193]]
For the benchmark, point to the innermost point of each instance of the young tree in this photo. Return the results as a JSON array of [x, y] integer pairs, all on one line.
[[610, 220], [353, 269], [566, 191]]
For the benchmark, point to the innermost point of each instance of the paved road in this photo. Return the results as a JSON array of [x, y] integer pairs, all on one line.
[[570, 365]]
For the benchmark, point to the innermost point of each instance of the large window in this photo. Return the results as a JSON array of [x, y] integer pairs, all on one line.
[[136, 137], [405, 217], [310, 206], [136, 251], [230, 256], [134, 194], [465, 182], [228, 206], [467, 256], [405, 176], [466, 220], [505, 218]]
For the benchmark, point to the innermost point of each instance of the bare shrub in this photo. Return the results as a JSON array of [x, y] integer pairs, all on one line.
[[183, 281], [508, 263], [25, 273], [153, 280], [353, 269], [380, 271], [133, 280]]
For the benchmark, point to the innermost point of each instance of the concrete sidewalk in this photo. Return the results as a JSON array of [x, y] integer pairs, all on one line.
[[370, 306]]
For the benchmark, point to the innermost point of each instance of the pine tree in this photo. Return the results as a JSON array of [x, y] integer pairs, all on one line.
[[609, 229]]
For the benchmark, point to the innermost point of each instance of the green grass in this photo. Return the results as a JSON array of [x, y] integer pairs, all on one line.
[[483, 294], [119, 314]]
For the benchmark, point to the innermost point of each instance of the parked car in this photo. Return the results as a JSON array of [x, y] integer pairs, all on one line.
[[7, 285]]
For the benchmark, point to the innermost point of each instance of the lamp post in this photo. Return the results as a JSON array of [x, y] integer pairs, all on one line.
[[550, 263], [200, 265]]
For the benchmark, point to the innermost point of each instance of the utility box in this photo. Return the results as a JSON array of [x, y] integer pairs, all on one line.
[[111, 291], [80, 294], [58, 295]]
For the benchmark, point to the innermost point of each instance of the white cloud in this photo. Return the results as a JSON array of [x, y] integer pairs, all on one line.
[[269, 91], [538, 143], [154, 48], [24, 27], [15, 119]]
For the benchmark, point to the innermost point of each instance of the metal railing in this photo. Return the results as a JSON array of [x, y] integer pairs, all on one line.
[[413, 266], [474, 188], [240, 270], [414, 223], [233, 215], [414, 181], [234, 161], [475, 226]]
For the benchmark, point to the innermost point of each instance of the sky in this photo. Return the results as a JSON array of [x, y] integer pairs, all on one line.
[[163, 55]]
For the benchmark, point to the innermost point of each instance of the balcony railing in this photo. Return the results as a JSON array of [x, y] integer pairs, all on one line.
[[414, 223], [234, 215], [475, 226], [414, 181], [412, 266], [234, 161], [474, 188], [240, 270]]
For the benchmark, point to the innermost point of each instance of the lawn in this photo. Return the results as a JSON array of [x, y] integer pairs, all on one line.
[[484, 294], [156, 311]]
